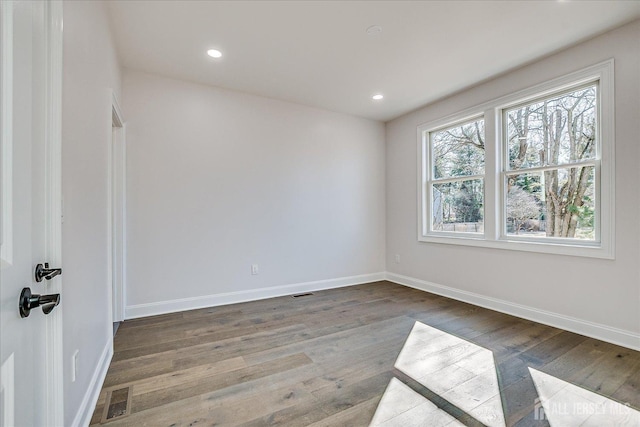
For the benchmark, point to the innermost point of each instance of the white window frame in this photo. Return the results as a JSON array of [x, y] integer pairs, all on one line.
[[429, 180], [495, 235]]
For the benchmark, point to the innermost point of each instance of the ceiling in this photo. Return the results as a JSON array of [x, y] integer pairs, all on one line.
[[318, 53]]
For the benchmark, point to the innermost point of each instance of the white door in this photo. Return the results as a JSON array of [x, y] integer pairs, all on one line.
[[30, 350]]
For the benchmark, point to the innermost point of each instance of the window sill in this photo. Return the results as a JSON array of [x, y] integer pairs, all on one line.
[[587, 250]]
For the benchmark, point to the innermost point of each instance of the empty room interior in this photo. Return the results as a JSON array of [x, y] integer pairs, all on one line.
[[323, 213]]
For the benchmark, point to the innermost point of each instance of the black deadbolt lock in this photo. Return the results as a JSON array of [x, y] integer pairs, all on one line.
[[44, 272], [29, 301]]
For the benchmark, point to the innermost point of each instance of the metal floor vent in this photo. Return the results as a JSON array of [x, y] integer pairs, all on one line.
[[306, 294], [118, 404]]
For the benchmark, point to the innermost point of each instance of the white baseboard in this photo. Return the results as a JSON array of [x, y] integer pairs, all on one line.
[[183, 304], [85, 412], [583, 327]]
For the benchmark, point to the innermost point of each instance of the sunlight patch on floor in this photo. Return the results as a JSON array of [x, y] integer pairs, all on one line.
[[564, 404], [401, 406], [459, 371]]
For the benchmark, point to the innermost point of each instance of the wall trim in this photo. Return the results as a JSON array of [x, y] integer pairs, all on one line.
[[183, 304], [583, 327], [85, 411], [52, 59], [116, 226]]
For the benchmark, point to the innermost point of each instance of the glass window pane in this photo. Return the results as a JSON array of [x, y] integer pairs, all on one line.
[[554, 131], [458, 206], [459, 150], [555, 203]]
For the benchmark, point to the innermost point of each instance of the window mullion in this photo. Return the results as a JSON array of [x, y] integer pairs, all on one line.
[[457, 179], [491, 174], [591, 162]]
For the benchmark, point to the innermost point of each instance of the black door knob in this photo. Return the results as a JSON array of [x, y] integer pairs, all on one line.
[[44, 272], [29, 301]]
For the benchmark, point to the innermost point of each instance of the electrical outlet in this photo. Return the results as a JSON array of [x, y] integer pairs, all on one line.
[[397, 258], [254, 269], [74, 365]]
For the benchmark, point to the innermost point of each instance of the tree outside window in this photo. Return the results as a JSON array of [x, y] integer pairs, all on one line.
[[457, 178], [551, 146]]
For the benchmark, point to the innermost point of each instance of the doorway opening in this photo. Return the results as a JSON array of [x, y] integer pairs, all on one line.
[[117, 214]]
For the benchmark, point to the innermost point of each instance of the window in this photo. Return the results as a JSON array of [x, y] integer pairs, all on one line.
[[550, 166], [455, 181], [531, 171]]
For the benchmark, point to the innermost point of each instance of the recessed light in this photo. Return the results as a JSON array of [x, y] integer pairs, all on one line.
[[377, 96], [214, 53]]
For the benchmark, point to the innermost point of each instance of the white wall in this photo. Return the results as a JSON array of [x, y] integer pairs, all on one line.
[[218, 180], [601, 291], [90, 71]]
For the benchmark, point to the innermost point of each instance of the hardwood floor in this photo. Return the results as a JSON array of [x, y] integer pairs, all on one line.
[[379, 354]]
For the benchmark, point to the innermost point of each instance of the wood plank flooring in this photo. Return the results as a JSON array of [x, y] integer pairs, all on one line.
[[379, 354]]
